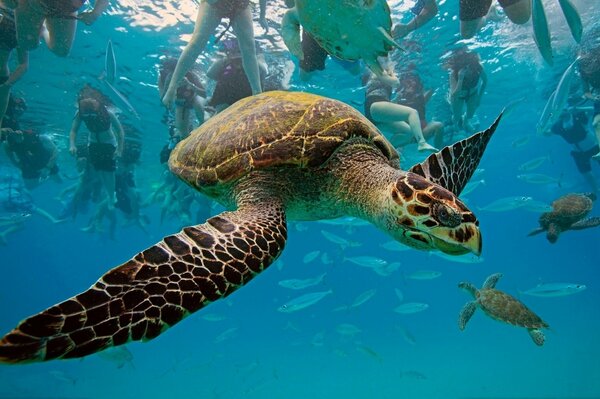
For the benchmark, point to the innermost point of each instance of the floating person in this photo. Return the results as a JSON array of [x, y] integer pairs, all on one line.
[[403, 122], [55, 21], [34, 154], [8, 43], [589, 70], [502, 307], [572, 126], [423, 11], [105, 139], [350, 31], [208, 19], [78, 196], [467, 85], [340, 155], [568, 213], [190, 96], [472, 14], [232, 84], [411, 93]]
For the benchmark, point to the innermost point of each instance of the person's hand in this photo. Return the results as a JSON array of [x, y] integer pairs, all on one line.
[[264, 24], [73, 150], [400, 31], [169, 96], [87, 17]]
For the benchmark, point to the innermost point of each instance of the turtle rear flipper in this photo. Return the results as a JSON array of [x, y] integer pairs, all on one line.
[[156, 289], [537, 336], [536, 231], [465, 314], [585, 223], [290, 33]]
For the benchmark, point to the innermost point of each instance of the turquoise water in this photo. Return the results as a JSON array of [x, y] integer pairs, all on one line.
[[242, 346]]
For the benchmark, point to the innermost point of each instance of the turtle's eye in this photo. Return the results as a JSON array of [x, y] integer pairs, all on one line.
[[445, 215]]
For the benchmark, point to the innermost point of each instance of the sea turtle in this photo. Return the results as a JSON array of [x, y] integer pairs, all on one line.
[[502, 307], [568, 213], [272, 157], [348, 29]]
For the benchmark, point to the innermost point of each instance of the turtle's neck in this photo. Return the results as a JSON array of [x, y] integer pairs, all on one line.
[[362, 182]]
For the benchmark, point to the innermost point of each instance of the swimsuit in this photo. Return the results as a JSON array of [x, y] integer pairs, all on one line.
[[8, 32], [314, 54], [475, 9], [230, 8], [232, 85], [376, 91], [61, 8], [101, 154]]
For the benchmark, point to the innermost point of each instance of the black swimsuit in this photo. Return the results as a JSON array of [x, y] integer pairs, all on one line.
[[61, 8], [230, 8]]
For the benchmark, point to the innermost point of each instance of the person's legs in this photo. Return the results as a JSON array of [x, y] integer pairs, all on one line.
[[435, 130], [182, 121], [29, 18], [518, 11], [472, 16], [457, 103], [61, 34], [387, 112], [472, 105], [468, 29], [108, 183], [244, 32]]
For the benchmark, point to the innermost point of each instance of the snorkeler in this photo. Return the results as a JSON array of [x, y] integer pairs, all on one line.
[[8, 43], [208, 19], [401, 120], [55, 21], [423, 11], [105, 141]]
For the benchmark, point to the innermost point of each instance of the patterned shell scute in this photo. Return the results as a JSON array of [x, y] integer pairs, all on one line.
[[571, 208], [269, 130], [503, 307]]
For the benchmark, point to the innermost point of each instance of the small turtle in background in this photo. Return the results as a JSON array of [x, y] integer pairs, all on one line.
[[568, 213], [502, 307]]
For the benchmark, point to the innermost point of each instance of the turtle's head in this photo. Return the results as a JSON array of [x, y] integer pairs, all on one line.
[[426, 216]]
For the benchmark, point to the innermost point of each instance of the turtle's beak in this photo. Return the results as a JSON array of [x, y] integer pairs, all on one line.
[[460, 240]]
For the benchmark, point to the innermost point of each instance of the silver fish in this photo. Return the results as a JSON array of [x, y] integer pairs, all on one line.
[[555, 289], [472, 185], [521, 141], [309, 257], [303, 301], [119, 355], [506, 204], [411, 307], [298, 284], [533, 164], [364, 297], [345, 221], [342, 242], [538, 178], [110, 63], [406, 335], [424, 275], [227, 334], [367, 261], [563, 90], [537, 206], [213, 317], [122, 99], [399, 294], [386, 270], [347, 329], [469, 258]]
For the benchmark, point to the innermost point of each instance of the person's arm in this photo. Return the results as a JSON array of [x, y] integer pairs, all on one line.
[[263, 16], [216, 69], [89, 17], [20, 70], [73, 134], [119, 132], [430, 10]]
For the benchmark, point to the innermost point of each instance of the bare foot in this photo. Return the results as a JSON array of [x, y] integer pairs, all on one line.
[[425, 146]]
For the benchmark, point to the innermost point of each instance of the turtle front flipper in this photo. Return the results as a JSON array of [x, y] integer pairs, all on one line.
[[453, 166], [156, 289], [465, 314], [491, 281], [536, 231], [290, 33], [537, 336], [585, 223]]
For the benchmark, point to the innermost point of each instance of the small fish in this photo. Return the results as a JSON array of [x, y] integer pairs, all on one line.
[[110, 63], [347, 329], [412, 374], [303, 301], [399, 294], [362, 298], [342, 242], [505, 204], [368, 351], [309, 257], [411, 307], [533, 164], [472, 185], [298, 284], [213, 317], [424, 275], [367, 261], [563, 90], [406, 335], [555, 289], [227, 334], [469, 258], [538, 178], [520, 142], [394, 246], [345, 221], [119, 355], [386, 270], [63, 377]]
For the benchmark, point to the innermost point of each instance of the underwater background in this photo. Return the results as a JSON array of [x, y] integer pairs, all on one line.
[[243, 346]]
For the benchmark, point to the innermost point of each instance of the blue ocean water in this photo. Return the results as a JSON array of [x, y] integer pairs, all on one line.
[[243, 346]]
